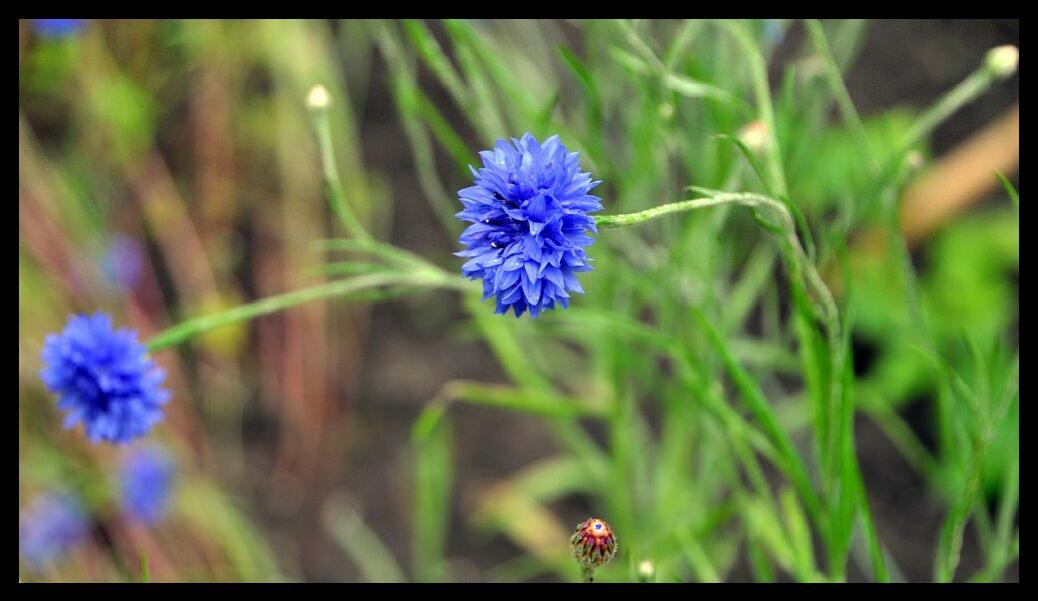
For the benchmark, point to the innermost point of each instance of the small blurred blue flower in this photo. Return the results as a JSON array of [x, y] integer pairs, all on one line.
[[773, 30], [104, 378], [530, 214], [146, 481], [57, 27], [53, 525], [122, 262]]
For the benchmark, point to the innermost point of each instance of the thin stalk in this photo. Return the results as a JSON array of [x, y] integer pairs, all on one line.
[[968, 90], [992, 70], [199, 325], [802, 273], [840, 93], [318, 102], [810, 275], [762, 95]]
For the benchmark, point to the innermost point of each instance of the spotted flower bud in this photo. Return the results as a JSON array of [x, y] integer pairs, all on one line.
[[593, 544]]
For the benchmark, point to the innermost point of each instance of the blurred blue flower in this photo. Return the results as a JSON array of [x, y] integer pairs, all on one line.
[[773, 30], [530, 214], [57, 27], [104, 378], [122, 262], [52, 526], [146, 481]]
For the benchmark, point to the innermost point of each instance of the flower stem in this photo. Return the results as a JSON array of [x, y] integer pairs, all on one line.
[[802, 271], [762, 96], [840, 93], [319, 102], [970, 88], [799, 264], [199, 325], [628, 219]]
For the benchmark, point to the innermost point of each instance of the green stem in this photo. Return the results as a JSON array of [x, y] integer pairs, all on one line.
[[199, 325], [629, 219], [840, 93], [801, 270], [969, 89], [809, 273], [332, 183], [762, 96]]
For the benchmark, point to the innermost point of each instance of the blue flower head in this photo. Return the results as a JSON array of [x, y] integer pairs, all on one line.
[[122, 262], [52, 526], [146, 481], [57, 27], [530, 214], [104, 378]]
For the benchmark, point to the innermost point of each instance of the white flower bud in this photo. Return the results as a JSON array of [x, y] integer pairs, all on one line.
[[318, 97], [1002, 61], [646, 570], [754, 135]]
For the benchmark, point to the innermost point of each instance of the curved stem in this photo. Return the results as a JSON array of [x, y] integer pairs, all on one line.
[[802, 273], [332, 183], [810, 274], [762, 94], [840, 93], [799, 263], [628, 219], [199, 325]]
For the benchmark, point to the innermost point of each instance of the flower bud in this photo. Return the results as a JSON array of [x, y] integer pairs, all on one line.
[[593, 544], [318, 99], [1002, 60], [646, 571], [754, 135]]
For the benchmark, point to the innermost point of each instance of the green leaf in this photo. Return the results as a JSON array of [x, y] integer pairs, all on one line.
[[371, 556], [1010, 190]]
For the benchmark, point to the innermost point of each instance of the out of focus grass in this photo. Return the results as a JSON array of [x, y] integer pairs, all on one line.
[[699, 403]]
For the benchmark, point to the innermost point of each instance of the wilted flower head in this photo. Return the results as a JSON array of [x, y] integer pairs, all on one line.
[[104, 378], [146, 481], [52, 526], [530, 214]]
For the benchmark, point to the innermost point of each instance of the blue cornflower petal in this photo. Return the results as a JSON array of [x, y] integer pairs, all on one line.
[[146, 481], [52, 526], [104, 379]]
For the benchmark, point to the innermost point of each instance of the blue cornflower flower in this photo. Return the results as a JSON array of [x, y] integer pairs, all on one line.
[[52, 526], [57, 27], [146, 481], [122, 262], [105, 379], [530, 214]]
